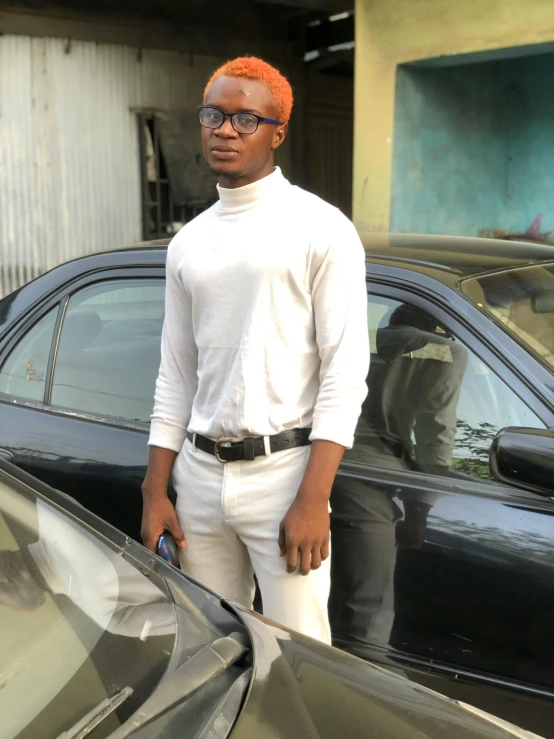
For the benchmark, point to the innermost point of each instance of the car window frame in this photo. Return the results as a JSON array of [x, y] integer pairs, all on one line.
[[61, 298], [401, 286]]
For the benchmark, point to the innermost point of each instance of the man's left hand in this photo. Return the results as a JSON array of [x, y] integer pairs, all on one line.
[[304, 535]]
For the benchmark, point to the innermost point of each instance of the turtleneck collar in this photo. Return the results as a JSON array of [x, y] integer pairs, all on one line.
[[242, 198]]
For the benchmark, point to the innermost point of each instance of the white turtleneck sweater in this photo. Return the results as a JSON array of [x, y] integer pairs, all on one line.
[[266, 320]]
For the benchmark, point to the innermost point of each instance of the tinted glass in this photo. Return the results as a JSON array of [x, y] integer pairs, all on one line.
[[522, 301], [23, 374], [79, 622], [433, 406], [109, 352]]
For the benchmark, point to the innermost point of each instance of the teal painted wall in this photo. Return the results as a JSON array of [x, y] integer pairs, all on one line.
[[531, 147], [474, 147]]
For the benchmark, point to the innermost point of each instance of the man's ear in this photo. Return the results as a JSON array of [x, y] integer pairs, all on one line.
[[279, 136]]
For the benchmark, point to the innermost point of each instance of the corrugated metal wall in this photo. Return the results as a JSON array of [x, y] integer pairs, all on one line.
[[69, 159]]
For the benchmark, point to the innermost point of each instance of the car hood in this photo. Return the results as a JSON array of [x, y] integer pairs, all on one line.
[[302, 688]]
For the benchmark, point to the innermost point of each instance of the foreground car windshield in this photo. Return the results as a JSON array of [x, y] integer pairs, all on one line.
[[79, 622], [522, 300]]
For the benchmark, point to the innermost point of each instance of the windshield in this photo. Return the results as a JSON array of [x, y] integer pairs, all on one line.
[[522, 301], [78, 621]]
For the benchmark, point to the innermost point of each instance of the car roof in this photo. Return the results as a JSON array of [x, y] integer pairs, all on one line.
[[450, 258], [463, 255], [445, 258]]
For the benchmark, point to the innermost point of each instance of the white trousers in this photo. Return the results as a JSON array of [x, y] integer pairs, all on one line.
[[230, 514]]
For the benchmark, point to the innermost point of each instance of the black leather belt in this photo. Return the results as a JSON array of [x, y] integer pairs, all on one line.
[[250, 447]]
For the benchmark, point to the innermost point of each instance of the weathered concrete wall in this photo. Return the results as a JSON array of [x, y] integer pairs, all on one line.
[[450, 163], [474, 147], [393, 32], [531, 145]]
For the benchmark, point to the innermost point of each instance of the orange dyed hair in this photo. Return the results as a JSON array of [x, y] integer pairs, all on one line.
[[252, 68]]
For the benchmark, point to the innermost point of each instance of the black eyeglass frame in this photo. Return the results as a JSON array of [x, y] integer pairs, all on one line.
[[231, 116]]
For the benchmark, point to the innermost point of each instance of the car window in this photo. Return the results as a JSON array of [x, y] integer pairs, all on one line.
[[109, 351], [522, 301], [432, 406], [23, 374], [79, 621]]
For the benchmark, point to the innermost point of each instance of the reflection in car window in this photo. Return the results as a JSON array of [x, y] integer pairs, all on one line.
[[83, 622], [109, 351], [23, 374], [433, 406], [522, 301]]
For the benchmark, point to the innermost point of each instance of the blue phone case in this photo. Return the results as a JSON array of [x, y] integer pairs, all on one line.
[[167, 549]]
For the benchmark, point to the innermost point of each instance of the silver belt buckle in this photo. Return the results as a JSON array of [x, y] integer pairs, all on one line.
[[217, 444]]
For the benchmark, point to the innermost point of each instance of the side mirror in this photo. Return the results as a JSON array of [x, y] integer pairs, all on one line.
[[524, 458]]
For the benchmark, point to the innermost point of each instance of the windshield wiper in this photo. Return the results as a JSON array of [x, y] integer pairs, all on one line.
[[96, 716], [200, 669]]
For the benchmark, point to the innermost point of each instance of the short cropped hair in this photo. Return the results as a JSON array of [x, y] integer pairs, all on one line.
[[252, 68]]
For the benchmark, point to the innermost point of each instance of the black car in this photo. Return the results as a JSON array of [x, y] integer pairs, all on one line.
[[439, 571], [101, 638]]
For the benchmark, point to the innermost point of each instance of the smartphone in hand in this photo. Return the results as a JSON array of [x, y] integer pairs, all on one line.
[[167, 549]]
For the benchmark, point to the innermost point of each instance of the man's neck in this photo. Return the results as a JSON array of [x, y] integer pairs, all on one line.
[[232, 183]]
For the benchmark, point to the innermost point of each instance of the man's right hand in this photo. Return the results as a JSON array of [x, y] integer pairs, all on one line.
[[158, 512], [158, 515]]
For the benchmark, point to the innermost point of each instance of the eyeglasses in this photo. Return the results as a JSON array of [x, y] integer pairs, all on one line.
[[211, 117]]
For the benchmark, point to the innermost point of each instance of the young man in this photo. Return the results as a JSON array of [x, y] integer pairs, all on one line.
[[264, 360]]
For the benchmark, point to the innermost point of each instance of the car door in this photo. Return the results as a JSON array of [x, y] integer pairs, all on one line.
[[437, 569], [76, 390]]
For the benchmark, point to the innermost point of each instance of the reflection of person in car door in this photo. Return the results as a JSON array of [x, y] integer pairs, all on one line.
[[408, 422]]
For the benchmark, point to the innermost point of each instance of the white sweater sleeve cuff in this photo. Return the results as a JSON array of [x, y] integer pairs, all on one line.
[[166, 435], [327, 429]]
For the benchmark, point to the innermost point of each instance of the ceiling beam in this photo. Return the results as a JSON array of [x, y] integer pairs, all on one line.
[[193, 40]]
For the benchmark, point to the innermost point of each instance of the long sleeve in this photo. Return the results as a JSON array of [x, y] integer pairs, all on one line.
[[177, 379], [339, 297]]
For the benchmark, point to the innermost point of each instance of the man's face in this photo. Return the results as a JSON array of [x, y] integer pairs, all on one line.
[[239, 159]]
